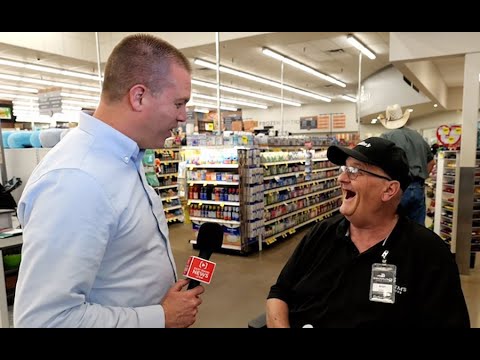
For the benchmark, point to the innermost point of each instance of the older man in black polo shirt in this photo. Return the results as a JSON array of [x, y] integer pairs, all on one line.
[[369, 266]]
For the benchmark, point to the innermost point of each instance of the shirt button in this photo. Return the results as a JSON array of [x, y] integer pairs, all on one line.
[[126, 159]]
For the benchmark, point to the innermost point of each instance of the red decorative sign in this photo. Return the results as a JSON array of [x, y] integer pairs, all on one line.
[[199, 269], [449, 135]]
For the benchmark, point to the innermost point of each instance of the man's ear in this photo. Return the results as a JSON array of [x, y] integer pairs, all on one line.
[[391, 190], [136, 97]]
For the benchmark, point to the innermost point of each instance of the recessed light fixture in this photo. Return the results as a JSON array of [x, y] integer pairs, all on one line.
[[410, 110], [261, 80], [302, 67], [435, 105], [356, 43], [349, 98], [245, 92]]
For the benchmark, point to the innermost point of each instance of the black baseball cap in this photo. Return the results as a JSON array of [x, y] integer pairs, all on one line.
[[379, 152]]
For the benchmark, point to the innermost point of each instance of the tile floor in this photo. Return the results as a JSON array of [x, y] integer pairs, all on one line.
[[239, 288]]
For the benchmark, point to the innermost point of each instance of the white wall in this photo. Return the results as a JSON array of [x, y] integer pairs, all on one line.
[[426, 125], [407, 46], [292, 114], [385, 88]]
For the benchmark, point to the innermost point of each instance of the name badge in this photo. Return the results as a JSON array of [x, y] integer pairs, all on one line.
[[382, 283]]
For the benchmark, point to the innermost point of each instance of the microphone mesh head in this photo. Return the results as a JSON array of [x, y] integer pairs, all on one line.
[[210, 236]]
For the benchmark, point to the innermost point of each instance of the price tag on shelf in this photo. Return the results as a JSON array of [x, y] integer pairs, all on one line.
[[277, 178], [189, 202]]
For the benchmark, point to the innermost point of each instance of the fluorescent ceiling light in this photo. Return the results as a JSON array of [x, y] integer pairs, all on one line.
[[349, 98], [48, 83], [230, 101], [302, 67], [211, 106], [245, 93], [23, 107], [262, 80], [80, 103], [48, 69], [80, 96], [201, 110], [366, 51], [18, 88], [373, 121], [15, 96], [26, 103]]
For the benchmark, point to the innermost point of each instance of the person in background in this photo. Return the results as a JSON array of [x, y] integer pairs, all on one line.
[[96, 251], [420, 159], [369, 266]]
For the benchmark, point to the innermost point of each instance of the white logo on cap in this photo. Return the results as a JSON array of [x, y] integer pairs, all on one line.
[[363, 143]]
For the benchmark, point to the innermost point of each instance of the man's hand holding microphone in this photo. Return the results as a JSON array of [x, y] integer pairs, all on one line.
[[181, 307]]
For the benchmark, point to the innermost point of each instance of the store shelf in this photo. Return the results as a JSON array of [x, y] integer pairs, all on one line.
[[213, 202], [176, 218], [299, 161], [167, 175], [293, 186], [169, 198], [224, 246], [324, 169], [284, 202], [212, 182], [278, 176], [220, 221], [292, 230], [165, 186], [212, 166], [170, 208], [290, 214]]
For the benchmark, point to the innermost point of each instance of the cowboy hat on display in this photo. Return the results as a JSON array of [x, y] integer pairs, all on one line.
[[393, 117]]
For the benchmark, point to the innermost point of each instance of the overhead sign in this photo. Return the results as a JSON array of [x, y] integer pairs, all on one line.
[[50, 101]]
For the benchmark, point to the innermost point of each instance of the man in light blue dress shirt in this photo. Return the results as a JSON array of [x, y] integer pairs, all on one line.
[[96, 251]]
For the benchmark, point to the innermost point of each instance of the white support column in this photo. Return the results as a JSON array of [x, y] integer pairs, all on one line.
[[467, 161]]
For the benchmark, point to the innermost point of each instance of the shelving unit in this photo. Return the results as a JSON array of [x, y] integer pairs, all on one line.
[[446, 198], [161, 170], [225, 186], [300, 187]]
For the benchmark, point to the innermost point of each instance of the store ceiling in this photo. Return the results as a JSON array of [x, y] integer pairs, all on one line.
[[327, 52]]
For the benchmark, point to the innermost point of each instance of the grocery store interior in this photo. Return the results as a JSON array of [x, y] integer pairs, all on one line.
[[284, 97]]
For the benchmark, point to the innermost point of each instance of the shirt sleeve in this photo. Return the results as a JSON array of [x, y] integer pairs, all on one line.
[[68, 223]]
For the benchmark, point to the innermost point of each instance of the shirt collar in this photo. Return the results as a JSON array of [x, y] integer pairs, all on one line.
[[120, 145]]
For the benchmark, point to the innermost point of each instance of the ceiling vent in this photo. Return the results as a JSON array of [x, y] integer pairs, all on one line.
[[336, 51]]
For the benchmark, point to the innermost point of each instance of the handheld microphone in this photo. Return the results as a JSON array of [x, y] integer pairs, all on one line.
[[209, 239]]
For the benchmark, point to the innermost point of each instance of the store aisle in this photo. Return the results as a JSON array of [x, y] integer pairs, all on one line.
[[240, 285]]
